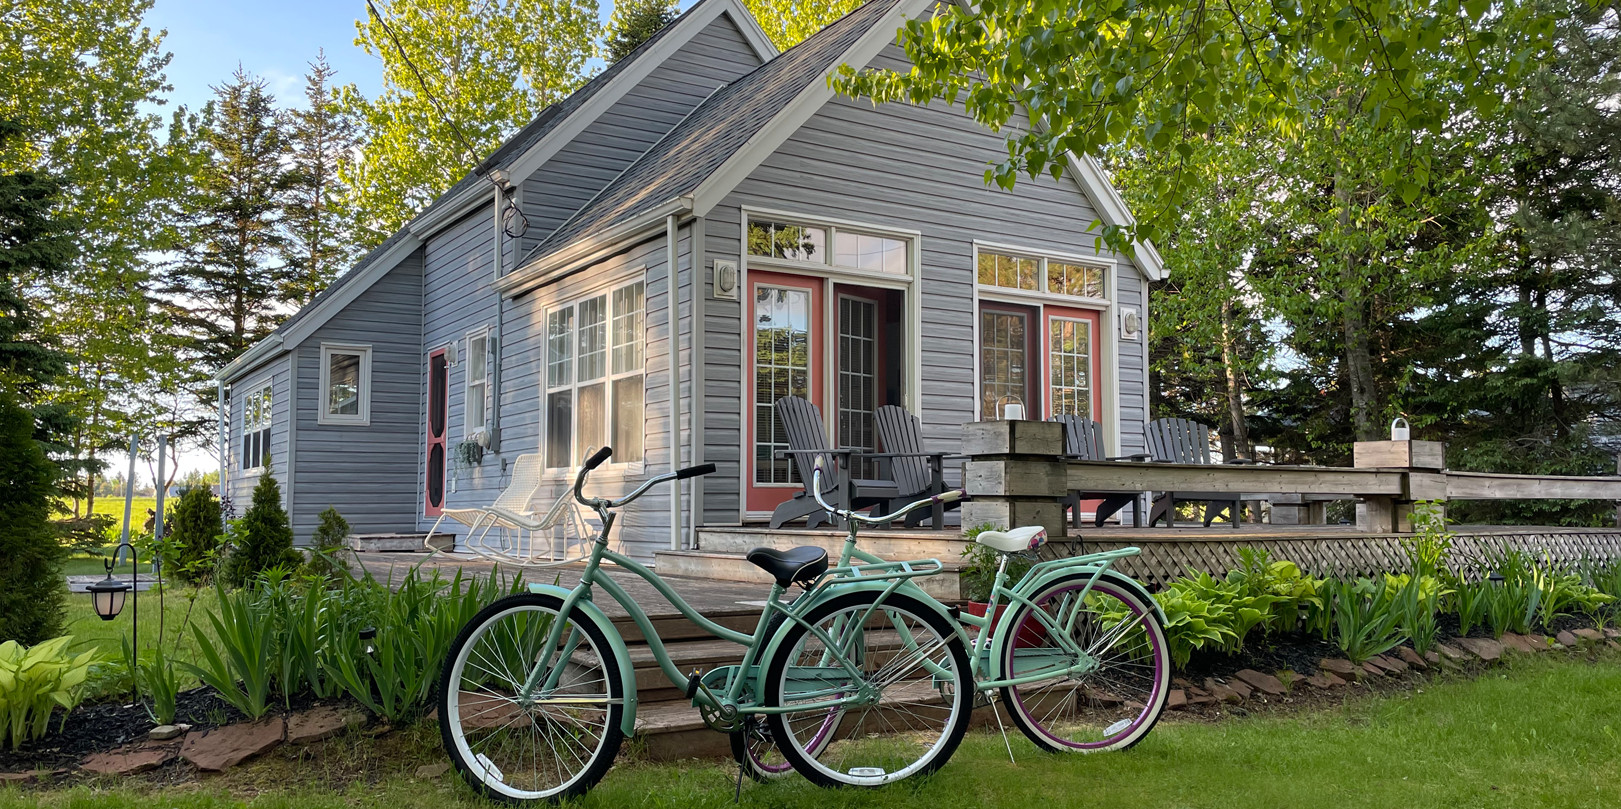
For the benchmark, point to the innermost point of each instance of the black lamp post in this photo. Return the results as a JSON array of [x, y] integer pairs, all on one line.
[[107, 596]]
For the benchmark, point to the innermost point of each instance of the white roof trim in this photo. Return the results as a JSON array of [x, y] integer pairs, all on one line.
[[570, 128], [590, 248], [323, 310], [1112, 209], [795, 113]]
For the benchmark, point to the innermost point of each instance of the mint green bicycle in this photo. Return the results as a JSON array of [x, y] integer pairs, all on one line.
[[861, 680]]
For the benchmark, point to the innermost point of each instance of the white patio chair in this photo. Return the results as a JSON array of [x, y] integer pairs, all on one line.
[[514, 499]]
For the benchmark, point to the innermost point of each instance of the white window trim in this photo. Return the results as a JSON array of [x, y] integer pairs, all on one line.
[[833, 227], [1104, 265], [363, 419], [468, 382], [625, 469], [268, 429]]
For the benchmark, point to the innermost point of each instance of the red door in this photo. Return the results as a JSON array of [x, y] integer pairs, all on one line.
[[1070, 349], [438, 392], [783, 358]]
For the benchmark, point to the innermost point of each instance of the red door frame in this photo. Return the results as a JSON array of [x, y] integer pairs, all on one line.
[[1090, 316], [439, 369], [767, 497]]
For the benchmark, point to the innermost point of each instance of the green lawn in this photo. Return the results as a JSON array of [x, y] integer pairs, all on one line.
[[88, 630], [1540, 732]]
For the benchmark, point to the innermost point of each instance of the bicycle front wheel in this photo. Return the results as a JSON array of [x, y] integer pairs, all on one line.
[[518, 744], [899, 708], [1106, 689]]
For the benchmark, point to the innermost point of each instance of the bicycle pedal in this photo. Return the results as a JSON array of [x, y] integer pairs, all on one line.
[[695, 681]]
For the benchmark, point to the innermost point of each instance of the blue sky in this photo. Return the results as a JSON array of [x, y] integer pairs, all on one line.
[[274, 40]]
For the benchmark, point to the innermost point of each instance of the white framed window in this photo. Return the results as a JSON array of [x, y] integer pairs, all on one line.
[[256, 413], [477, 401], [1033, 272], [345, 384], [595, 373], [828, 245]]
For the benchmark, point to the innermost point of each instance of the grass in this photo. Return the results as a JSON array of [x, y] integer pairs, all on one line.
[[89, 631], [1537, 732]]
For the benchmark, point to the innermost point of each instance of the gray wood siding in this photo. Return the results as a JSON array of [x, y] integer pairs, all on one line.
[[644, 526], [278, 374], [368, 472], [910, 168], [714, 56]]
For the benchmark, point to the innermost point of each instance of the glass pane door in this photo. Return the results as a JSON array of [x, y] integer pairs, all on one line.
[[1004, 361], [1072, 363], [858, 377]]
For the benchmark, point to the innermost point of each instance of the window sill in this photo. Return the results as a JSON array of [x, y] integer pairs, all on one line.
[[343, 421]]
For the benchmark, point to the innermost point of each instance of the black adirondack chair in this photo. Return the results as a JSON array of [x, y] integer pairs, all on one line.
[[807, 443], [1083, 441], [1187, 441], [916, 472]]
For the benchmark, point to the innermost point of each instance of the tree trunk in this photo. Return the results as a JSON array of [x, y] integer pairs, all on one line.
[[1354, 331], [1235, 390]]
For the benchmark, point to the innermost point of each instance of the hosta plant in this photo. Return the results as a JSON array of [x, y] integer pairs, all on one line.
[[35, 681]]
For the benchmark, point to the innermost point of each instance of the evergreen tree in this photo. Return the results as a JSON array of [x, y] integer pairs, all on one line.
[[221, 295], [634, 22], [34, 247], [31, 591], [194, 531], [328, 546], [321, 137], [266, 538]]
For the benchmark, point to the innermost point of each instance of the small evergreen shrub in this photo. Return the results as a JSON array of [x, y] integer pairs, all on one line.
[[328, 546], [31, 554], [194, 536], [266, 539]]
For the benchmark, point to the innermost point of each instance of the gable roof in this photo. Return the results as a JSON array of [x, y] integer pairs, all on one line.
[[713, 149], [721, 127], [521, 154]]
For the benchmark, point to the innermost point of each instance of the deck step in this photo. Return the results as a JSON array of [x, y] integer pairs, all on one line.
[[733, 567], [942, 545]]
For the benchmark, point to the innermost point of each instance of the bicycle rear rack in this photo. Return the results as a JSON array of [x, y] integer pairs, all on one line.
[[884, 571]]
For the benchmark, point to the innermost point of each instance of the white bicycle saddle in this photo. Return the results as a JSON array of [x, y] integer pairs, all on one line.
[[1019, 539]]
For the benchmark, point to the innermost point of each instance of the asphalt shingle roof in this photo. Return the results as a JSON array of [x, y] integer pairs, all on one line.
[[716, 129]]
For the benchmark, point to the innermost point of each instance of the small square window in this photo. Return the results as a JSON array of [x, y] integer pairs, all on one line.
[[345, 385]]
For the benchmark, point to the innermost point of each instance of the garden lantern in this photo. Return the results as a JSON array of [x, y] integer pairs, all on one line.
[[107, 596]]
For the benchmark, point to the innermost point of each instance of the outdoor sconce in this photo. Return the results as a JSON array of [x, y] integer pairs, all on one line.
[[107, 596]]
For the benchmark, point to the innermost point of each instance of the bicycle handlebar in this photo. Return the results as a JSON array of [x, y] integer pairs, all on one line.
[[942, 498], [601, 504]]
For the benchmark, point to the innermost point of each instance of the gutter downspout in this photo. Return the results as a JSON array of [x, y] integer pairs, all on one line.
[[493, 426], [698, 352], [673, 291], [224, 438]]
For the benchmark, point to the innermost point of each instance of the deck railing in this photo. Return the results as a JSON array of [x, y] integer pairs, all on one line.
[[1016, 475]]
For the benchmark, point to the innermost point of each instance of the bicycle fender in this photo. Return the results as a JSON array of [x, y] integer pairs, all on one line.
[[627, 675], [1000, 637], [834, 592]]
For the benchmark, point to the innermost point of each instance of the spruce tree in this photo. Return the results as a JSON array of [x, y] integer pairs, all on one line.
[[266, 537], [221, 294], [328, 546], [31, 588], [194, 532], [634, 22], [320, 138]]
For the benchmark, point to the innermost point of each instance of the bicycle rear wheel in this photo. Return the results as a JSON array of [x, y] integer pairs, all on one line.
[[551, 744], [1118, 694], [901, 711]]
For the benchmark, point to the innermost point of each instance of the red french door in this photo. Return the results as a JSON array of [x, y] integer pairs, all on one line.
[[783, 357], [1070, 349], [438, 403]]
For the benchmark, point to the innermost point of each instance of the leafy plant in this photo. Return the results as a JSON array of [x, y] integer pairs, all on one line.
[[239, 664], [1470, 601], [1416, 601], [1193, 622], [1513, 594], [1364, 622], [195, 528], [36, 680], [328, 546], [1431, 541], [1289, 592], [978, 573], [159, 681]]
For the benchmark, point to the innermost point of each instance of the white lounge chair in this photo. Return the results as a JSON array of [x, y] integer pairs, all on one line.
[[514, 499]]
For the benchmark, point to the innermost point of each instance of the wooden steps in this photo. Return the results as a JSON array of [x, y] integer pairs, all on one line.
[[734, 567]]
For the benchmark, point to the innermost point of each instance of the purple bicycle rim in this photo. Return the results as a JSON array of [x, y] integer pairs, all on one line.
[[1153, 696]]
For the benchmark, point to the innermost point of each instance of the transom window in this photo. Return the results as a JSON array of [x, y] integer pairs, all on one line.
[[853, 249], [477, 391], [1037, 274], [346, 385], [256, 412], [595, 394]]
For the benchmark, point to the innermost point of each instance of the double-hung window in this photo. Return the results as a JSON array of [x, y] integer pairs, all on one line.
[[594, 376], [256, 410], [345, 384], [479, 361]]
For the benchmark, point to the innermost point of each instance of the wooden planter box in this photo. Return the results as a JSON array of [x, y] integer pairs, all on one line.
[[1400, 455]]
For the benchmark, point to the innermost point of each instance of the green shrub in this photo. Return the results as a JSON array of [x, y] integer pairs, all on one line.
[[193, 536], [1288, 592], [1192, 623], [266, 540], [34, 681], [31, 555], [328, 547], [86, 534]]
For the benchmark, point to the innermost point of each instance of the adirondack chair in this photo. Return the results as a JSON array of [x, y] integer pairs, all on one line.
[[1186, 441], [1083, 441], [917, 473], [807, 443]]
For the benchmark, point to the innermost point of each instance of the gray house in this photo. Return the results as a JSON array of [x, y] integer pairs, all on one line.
[[710, 227]]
